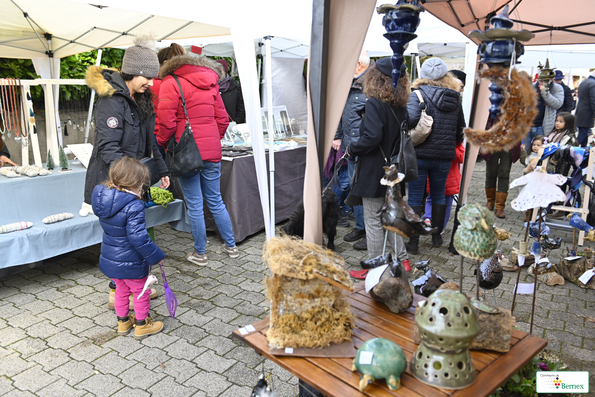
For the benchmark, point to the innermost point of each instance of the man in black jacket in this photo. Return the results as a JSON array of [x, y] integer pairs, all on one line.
[[585, 109], [568, 104], [348, 132]]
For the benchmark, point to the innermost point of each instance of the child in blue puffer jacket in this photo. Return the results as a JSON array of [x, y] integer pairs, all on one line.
[[127, 251]]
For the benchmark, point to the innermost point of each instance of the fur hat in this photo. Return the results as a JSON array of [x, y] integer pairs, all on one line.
[[433, 69], [141, 58], [385, 66]]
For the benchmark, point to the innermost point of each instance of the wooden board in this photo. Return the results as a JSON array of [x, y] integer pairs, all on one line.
[[333, 376]]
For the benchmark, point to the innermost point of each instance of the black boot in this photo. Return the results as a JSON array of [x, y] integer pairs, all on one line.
[[438, 215], [378, 261], [413, 243]]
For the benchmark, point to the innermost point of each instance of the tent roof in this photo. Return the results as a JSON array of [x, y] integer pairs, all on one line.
[[79, 27], [552, 21]]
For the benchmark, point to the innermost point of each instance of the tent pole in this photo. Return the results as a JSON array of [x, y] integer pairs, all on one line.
[[267, 41], [90, 114]]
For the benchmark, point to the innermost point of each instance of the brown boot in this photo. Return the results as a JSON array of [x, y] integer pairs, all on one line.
[[125, 324], [491, 196], [146, 327], [500, 203]]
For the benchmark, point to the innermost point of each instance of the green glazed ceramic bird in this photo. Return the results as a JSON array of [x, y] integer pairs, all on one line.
[[475, 238]]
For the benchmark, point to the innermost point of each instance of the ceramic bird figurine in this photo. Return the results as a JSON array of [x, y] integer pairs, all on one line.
[[475, 238], [579, 223], [427, 284], [501, 234], [490, 274], [396, 215], [262, 388]]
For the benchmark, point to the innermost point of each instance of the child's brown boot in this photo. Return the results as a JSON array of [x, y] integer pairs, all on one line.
[[125, 324], [146, 327]]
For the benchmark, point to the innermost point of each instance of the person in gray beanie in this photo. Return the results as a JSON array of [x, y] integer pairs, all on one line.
[[124, 118], [439, 90]]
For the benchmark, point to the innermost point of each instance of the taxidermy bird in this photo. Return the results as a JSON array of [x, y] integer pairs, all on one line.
[[490, 274], [475, 238], [396, 215], [262, 388], [427, 284]]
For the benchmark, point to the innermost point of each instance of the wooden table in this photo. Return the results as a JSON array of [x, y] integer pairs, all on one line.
[[333, 376]]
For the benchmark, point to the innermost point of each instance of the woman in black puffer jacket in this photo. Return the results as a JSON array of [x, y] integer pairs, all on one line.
[[439, 89]]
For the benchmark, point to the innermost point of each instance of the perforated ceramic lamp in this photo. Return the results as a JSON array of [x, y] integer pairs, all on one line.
[[447, 326]]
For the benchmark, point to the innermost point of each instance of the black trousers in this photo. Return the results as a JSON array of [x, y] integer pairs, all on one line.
[[498, 171]]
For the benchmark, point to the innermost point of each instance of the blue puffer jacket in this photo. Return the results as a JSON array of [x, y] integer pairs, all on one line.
[[444, 105], [127, 251]]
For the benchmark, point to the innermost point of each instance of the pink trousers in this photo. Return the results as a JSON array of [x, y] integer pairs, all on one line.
[[123, 289]]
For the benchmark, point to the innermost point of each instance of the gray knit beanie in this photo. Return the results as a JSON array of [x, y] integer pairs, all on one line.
[[141, 58], [433, 69]]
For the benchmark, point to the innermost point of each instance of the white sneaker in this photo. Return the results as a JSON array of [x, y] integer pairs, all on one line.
[[232, 252], [200, 260]]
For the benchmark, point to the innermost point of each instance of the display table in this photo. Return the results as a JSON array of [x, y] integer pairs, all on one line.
[[32, 199], [333, 376], [239, 189]]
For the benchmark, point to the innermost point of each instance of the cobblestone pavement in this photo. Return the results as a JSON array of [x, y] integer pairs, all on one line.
[[57, 336]]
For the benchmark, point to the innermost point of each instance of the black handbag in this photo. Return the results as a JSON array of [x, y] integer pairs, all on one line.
[[183, 158], [150, 163], [406, 159]]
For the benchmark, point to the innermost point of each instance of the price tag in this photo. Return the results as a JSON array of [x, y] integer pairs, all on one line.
[[521, 259], [250, 328], [243, 331], [365, 358], [586, 277], [572, 258], [525, 289], [289, 350]]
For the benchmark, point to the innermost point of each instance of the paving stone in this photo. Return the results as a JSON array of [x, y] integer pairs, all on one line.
[[246, 355], [255, 276], [250, 309], [20, 299], [87, 351], [5, 385], [579, 331], [169, 387], [50, 358], [138, 376], [218, 344], [240, 374], [101, 385], [32, 287], [253, 297], [581, 354], [209, 361], [199, 306], [7, 291], [60, 389], [190, 334], [69, 302], [183, 349], [12, 364], [92, 281], [64, 340], [88, 309], [160, 340], [77, 324], [211, 383], [235, 390], [19, 393], [33, 379], [248, 285], [124, 345], [205, 294], [112, 364], [150, 357], [38, 306], [244, 320], [74, 371], [222, 300], [51, 294], [217, 327], [190, 318], [23, 320], [181, 370], [10, 335], [222, 313], [29, 346], [43, 329]]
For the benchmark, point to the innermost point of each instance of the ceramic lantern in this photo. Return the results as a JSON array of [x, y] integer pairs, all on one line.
[[447, 327]]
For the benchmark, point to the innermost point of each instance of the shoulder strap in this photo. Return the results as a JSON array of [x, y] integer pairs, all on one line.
[[421, 100], [181, 95]]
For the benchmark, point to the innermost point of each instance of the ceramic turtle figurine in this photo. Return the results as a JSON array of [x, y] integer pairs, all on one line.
[[388, 362], [475, 238]]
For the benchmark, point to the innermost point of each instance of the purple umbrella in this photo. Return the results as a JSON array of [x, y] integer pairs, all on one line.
[[170, 298]]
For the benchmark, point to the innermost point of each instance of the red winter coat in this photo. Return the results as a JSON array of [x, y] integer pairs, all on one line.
[[198, 76], [155, 89], [453, 180]]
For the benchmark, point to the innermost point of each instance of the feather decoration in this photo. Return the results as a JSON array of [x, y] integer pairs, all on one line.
[[518, 110]]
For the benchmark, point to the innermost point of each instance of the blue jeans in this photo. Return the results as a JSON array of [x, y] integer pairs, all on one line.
[[206, 185], [358, 210], [583, 135], [342, 187], [436, 172], [533, 132]]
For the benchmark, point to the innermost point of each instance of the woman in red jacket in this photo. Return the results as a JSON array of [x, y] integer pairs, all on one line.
[[198, 78], [453, 184]]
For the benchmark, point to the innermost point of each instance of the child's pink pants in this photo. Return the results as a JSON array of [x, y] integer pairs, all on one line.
[[123, 289]]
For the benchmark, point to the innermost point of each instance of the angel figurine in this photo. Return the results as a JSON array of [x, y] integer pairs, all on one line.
[[540, 190]]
